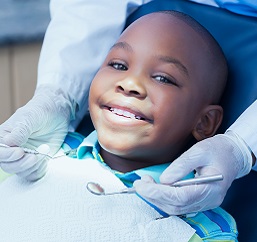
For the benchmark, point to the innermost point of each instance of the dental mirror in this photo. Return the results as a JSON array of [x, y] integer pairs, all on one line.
[[97, 189]]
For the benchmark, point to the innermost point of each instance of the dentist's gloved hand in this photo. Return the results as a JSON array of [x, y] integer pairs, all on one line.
[[225, 154], [43, 120]]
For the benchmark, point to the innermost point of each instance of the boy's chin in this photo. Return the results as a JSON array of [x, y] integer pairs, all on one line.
[[118, 142]]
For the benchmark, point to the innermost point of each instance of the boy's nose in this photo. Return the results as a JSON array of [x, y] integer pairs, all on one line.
[[131, 87]]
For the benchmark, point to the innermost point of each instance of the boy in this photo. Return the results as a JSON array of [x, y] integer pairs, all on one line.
[[155, 94]]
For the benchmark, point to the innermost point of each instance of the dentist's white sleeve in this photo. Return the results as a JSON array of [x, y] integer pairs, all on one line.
[[246, 128], [76, 42]]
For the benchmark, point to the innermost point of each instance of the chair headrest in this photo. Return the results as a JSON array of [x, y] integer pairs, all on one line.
[[237, 36]]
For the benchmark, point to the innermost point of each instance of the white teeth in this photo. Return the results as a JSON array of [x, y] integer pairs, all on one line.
[[124, 113]]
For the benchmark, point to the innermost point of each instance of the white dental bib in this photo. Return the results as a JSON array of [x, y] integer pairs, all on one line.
[[59, 208]]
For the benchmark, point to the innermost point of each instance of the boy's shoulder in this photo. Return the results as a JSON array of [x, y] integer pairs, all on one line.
[[72, 140], [214, 225]]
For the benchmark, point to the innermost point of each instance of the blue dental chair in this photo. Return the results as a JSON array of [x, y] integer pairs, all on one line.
[[237, 35]]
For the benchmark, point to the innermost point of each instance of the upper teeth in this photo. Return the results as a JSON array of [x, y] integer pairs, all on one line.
[[124, 113]]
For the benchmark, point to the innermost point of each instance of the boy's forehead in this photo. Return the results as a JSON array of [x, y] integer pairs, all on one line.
[[161, 30], [159, 22]]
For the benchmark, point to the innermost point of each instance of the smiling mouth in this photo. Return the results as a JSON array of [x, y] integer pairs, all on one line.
[[125, 114]]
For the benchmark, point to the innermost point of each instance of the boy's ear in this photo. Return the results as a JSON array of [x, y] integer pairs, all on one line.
[[208, 123]]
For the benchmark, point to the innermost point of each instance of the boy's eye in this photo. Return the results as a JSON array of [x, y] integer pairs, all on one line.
[[165, 80], [118, 66]]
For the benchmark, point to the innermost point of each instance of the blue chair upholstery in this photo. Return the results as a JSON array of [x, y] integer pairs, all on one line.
[[237, 35]]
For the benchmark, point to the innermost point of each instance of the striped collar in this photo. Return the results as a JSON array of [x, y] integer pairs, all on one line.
[[90, 148]]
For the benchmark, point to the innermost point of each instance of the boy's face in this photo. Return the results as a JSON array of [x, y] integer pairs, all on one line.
[[147, 96]]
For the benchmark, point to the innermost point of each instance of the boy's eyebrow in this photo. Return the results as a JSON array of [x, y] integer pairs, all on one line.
[[168, 59], [174, 61], [123, 45]]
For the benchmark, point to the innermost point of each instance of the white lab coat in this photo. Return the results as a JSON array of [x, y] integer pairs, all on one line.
[[82, 31]]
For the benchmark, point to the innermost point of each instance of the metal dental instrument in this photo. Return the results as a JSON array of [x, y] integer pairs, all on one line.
[[28, 151], [97, 189], [70, 153], [198, 180]]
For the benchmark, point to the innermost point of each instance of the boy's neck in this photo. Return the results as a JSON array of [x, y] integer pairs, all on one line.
[[124, 165], [121, 164]]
